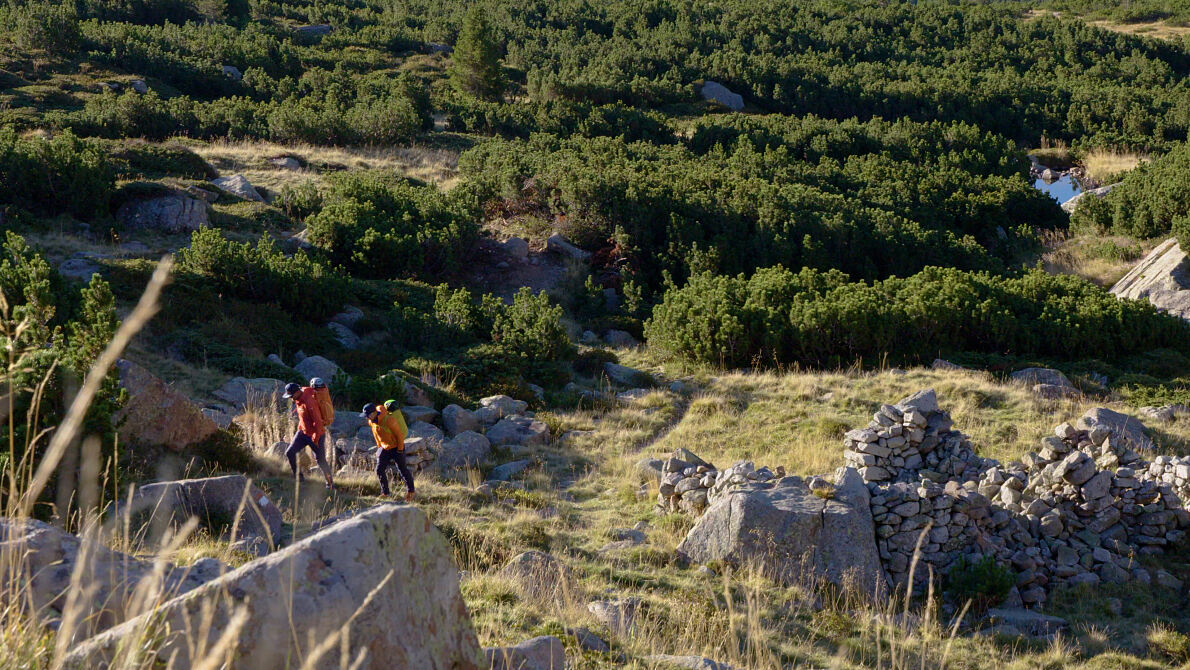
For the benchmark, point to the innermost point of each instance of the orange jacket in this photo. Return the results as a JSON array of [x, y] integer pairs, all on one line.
[[388, 430], [309, 414], [325, 405]]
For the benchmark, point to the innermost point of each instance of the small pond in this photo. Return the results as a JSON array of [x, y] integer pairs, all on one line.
[[1061, 189]]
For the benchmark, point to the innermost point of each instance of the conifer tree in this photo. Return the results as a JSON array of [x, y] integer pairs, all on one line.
[[476, 69]]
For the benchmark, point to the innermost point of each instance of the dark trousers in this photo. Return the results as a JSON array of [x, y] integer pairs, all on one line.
[[301, 441], [385, 460]]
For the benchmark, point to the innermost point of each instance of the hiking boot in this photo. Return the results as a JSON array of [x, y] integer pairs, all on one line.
[[409, 497]]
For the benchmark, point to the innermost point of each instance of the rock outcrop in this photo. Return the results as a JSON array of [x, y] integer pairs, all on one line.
[[230, 502], [1162, 278], [794, 532], [387, 573], [170, 213], [157, 415], [715, 92], [1072, 204], [239, 186], [540, 653]]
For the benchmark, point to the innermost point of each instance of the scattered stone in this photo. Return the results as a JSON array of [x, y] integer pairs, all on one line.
[[1027, 621], [317, 366], [559, 245], [456, 419], [520, 431], [504, 405], [385, 569], [317, 30], [713, 91], [239, 186], [540, 653]]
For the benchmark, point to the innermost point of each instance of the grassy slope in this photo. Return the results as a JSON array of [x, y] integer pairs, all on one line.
[[585, 485]]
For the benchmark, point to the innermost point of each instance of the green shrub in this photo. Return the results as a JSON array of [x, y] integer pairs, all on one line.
[[52, 27], [144, 159], [591, 362], [1149, 202], [983, 582], [380, 227], [51, 176], [263, 274], [811, 317], [532, 327]]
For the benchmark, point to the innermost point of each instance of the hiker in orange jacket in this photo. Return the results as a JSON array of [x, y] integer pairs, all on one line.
[[390, 438], [311, 431]]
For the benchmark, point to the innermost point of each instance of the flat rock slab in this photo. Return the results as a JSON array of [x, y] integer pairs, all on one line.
[[1129, 429], [540, 653], [388, 571], [230, 500], [1162, 278]]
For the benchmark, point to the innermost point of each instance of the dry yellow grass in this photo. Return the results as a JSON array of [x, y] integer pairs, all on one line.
[[1097, 258], [1108, 165], [250, 158], [1157, 29]]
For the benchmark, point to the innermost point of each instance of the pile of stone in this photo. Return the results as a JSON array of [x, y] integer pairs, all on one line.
[[909, 440], [1080, 510], [689, 484]]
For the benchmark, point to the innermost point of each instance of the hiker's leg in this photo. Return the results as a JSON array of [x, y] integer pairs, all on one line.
[[404, 470], [382, 463], [298, 442], [320, 456]]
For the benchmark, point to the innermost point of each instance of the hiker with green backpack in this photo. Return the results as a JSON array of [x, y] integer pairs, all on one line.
[[389, 429]]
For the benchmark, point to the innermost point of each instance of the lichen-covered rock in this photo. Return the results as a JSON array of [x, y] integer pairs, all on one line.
[[541, 576], [231, 500], [157, 415], [540, 653], [387, 570], [457, 420]]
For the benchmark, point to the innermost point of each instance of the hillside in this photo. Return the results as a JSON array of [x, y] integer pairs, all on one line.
[[631, 273]]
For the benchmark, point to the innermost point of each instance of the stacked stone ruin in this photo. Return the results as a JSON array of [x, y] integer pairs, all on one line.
[[1080, 510], [362, 460], [690, 484]]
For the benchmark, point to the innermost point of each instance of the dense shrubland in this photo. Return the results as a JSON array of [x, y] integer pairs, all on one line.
[[872, 199], [823, 318], [1151, 200]]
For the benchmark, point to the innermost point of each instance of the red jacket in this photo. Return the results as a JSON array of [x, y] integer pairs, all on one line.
[[309, 415]]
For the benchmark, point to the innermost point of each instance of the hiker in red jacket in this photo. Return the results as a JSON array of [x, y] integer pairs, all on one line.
[[310, 432]]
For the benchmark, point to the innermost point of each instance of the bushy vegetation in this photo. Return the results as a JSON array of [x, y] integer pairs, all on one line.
[[1150, 201], [377, 226], [56, 175], [983, 582], [873, 199], [823, 318]]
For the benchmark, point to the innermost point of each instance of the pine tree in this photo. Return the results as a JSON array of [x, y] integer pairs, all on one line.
[[476, 69]]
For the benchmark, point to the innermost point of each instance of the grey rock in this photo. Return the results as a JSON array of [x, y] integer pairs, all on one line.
[[288, 163], [1033, 376], [688, 662], [619, 616], [519, 430], [344, 336], [925, 401], [238, 392], [467, 449], [173, 213], [385, 569], [504, 405], [1029, 621], [713, 91], [559, 245], [232, 72], [588, 640], [507, 471], [540, 653], [78, 269], [1070, 205], [624, 375], [1162, 278], [415, 413], [139, 86], [517, 248], [541, 576], [1126, 428], [215, 500], [456, 419], [317, 366], [1055, 392], [239, 186], [943, 364], [155, 415], [620, 338], [317, 30], [778, 526]]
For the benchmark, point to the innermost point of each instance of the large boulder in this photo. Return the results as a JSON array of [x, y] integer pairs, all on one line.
[[1162, 278], [504, 405], [561, 246], [171, 213], [1126, 428], [1048, 376], [713, 91], [415, 413], [387, 573], [239, 186], [157, 415], [317, 366], [230, 501], [793, 532], [687, 662], [626, 376], [42, 561], [519, 431], [541, 653], [79, 268], [464, 450], [344, 336], [427, 431], [239, 392], [541, 576], [457, 420], [1072, 204]]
